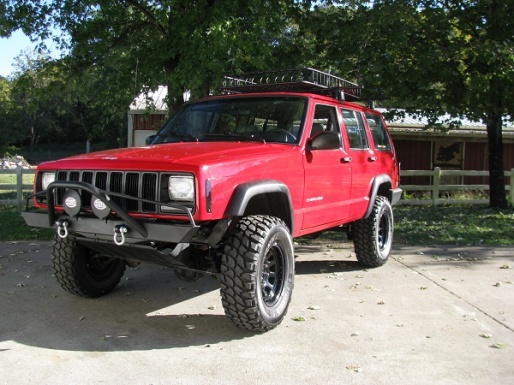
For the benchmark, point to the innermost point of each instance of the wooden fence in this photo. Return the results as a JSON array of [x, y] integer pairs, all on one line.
[[439, 192], [435, 193], [19, 187]]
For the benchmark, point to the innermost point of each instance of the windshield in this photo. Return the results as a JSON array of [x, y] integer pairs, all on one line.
[[269, 119]]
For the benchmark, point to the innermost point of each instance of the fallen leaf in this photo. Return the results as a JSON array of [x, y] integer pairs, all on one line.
[[498, 346], [313, 307], [486, 335], [354, 367], [498, 284], [299, 319], [506, 267], [381, 303]]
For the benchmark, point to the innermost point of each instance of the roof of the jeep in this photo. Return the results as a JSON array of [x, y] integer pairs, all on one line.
[[269, 94], [313, 96]]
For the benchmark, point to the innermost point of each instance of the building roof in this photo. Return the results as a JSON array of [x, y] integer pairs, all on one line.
[[410, 125], [150, 100]]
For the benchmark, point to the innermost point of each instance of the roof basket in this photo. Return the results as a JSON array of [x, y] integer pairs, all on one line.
[[293, 80]]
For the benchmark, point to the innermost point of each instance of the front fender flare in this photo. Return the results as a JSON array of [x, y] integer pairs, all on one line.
[[245, 192]]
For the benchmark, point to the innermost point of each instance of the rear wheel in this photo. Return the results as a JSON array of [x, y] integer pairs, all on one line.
[[257, 273], [373, 236], [82, 271]]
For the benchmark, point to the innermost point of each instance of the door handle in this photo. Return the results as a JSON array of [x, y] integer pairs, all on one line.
[[346, 159], [372, 158]]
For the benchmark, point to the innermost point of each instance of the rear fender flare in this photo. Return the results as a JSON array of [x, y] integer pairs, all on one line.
[[378, 182]]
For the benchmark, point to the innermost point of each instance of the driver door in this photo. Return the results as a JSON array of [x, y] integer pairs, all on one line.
[[327, 176]]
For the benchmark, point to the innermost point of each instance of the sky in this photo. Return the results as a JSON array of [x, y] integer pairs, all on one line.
[[10, 48]]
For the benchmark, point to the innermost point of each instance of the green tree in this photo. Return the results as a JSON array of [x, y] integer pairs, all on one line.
[[183, 44], [5, 106], [433, 57], [30, 115]]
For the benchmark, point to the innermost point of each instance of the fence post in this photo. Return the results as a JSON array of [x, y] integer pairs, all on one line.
[[19, 187], [512, 186], [437, 180]]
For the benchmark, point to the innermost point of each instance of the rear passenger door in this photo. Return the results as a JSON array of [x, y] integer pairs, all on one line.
[[363, 160]]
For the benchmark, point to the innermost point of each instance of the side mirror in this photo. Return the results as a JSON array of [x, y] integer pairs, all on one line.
[[326, 140], [150, 139]]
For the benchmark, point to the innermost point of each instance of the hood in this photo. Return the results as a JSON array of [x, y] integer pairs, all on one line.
[[161, 157]]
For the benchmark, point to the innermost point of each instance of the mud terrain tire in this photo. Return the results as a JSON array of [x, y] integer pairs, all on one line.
[[83, 272], [257, 273], [373, 236]]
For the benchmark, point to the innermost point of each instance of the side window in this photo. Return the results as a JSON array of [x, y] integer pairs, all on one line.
[[325, 119], [355, 129], [378, 131]]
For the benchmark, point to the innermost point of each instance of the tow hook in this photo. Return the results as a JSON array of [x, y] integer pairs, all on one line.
[[62, 228], [119, 234]]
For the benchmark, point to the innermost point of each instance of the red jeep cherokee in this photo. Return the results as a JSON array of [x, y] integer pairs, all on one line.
[[223, 188]]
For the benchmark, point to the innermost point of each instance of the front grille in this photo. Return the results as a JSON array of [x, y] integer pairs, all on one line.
[[143, 185]]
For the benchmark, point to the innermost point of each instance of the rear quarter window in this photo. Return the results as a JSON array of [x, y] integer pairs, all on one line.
[[378, 132]]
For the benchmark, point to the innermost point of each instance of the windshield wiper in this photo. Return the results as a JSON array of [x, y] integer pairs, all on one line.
[[179, 136], [234, 136]]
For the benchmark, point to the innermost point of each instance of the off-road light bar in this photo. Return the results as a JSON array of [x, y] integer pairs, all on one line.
[[293, 80]]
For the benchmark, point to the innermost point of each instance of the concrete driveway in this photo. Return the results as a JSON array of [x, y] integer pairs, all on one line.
[[429, 316]]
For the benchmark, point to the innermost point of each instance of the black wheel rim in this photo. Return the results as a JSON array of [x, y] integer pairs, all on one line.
[[383, 231], [100, 267], [272, 278]]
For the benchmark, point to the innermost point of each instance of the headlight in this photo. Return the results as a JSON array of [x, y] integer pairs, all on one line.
[[48, 177], [181, 188]]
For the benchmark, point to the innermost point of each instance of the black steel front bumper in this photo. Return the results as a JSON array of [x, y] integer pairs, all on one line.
[[137, 231]]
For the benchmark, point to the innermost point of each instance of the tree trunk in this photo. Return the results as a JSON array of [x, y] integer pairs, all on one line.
[[32, 144], [497, 195]]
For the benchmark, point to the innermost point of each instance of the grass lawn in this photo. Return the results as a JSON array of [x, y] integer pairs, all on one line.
[[465, 225], [13, 227]]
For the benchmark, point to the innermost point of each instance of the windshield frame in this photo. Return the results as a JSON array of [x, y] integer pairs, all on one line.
[[255, 118]]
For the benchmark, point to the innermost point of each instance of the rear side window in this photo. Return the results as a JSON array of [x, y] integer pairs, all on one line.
[[378, 131], [355, 129]]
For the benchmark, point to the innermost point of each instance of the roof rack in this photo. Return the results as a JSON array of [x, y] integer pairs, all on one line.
[[293, 80]]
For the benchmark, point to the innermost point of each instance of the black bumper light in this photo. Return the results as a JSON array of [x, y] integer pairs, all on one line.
[[100, 209], [72, 202]]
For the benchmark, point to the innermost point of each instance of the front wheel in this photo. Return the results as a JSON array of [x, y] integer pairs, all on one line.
[[257, 273], [82, 271], [373, 236]]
